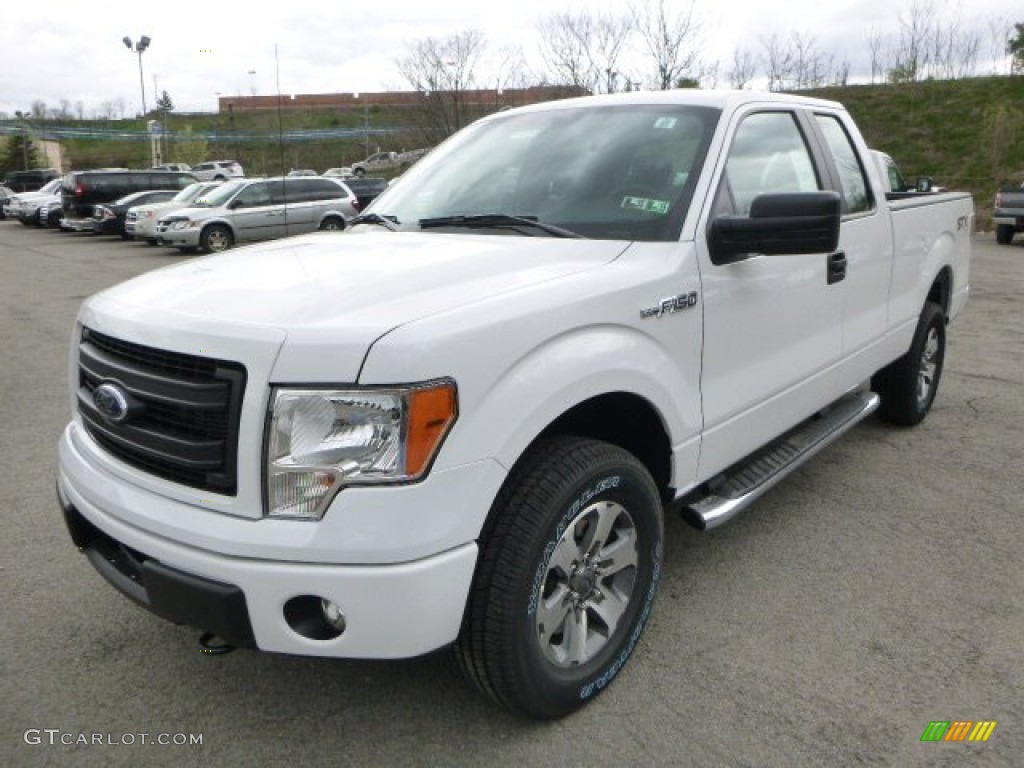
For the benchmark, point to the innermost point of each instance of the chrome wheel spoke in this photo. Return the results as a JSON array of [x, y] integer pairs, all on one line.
[[620, 555], [601, 522], [576, 637], [610, 607], [552, 611]]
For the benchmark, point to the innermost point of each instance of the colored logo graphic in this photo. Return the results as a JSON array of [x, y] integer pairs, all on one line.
[[958, 730]]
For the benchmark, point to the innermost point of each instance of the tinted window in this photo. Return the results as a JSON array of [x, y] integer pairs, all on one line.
[[321, 189], [856, 197]]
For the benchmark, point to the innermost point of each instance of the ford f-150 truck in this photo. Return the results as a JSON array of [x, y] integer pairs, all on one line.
[[1008, 213], [461, 421]]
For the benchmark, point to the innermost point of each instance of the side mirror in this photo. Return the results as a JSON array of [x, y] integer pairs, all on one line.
[[790, 223], [924, 184]]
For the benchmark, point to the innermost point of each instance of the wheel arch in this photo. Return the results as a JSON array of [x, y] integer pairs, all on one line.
[[626, 420], [941, 290]]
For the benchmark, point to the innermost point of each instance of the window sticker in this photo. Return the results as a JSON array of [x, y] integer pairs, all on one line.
[[645, 204], [666, 123]]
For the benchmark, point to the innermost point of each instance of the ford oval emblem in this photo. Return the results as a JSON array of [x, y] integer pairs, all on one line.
[[112, 401]]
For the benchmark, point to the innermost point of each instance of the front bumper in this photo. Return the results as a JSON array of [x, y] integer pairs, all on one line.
[[394, 610], [77, 225], [179, 238]]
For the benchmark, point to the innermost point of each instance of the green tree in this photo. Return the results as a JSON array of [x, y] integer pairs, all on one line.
[[20, 154], [1015, 47], [165, 103]]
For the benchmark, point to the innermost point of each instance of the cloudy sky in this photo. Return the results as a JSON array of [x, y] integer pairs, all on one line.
[[64, 50]]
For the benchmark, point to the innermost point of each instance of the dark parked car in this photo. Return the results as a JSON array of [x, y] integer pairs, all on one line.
[[108, 218], [365, 189], [83, 190], [30, 181]]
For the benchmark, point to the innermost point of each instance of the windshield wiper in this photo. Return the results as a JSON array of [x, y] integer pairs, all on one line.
[[497, 221], [388, 222]]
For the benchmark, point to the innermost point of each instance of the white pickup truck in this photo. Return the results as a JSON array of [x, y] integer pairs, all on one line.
[[461, 421]]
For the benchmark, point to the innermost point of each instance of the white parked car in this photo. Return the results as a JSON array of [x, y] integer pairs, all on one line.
[[24, 206], [218, 170], [140, 221], [342, 172]]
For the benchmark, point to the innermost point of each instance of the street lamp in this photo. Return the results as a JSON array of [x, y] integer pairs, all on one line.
[[140, 48], [23, 117]]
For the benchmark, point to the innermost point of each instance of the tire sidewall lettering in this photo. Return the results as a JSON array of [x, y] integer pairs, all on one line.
[[587, 495]]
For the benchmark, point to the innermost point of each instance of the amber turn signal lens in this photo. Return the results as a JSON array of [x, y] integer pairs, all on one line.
[[431, 413]]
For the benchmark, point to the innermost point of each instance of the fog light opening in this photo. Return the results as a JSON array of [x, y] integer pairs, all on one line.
[[315, 617]]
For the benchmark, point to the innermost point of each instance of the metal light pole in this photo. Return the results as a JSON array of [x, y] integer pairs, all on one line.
[[23, 117], [252, 82], [139, 48]]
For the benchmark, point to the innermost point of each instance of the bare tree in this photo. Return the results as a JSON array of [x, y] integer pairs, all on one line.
[[80, 109], [441, 70], [565, 40], [875, 41], [39, 109], [778, 60], [670, 37], [999, 31], [913, 55], [611, 34], [743, 68]]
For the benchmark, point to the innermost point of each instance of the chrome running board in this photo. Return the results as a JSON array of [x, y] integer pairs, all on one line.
[[726, 494]]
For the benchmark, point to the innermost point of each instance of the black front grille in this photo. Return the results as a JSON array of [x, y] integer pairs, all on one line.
[[183, 423]]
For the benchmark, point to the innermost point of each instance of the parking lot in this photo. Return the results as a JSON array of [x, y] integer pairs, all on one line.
[[879, 588]]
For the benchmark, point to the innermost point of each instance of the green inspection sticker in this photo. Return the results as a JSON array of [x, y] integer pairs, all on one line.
[[645, 204]]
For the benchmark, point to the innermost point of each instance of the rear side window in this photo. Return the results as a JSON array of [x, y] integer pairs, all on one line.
[[855, 189]]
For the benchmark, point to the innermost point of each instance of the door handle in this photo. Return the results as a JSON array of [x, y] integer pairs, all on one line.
[[836, 267]]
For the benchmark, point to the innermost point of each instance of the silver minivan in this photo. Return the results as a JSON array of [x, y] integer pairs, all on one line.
[[259, 209]]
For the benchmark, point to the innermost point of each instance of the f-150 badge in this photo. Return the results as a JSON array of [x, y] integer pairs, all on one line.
[[671, 305]]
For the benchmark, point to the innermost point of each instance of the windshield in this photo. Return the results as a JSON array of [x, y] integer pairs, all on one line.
[[190, 193], [614, 172], [220, 195]]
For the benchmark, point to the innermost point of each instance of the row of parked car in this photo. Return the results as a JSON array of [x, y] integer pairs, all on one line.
[[175, 208]]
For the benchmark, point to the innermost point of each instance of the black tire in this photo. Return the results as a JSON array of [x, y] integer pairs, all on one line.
[[332, 223], [1004, 234], [151, 241], [908, 385], [564, 491], [126, 236], [216, 238], [360, 172]]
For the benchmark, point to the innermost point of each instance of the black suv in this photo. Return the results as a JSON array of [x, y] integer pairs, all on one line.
[[29, 181], [81, 191]]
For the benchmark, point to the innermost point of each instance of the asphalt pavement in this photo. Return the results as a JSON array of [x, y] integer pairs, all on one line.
[[878, 589]]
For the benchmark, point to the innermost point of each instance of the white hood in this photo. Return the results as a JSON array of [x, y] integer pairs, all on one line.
[[333, 294]]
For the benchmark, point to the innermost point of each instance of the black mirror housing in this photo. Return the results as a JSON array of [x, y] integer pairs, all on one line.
[[790, 223]]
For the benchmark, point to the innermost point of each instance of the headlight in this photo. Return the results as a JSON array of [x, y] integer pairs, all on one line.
[[321, 440]]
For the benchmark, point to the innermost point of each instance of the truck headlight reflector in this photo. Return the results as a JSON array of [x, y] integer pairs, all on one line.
[[321, 440]]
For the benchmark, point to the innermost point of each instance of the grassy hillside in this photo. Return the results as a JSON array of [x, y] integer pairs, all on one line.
[[965, 134]]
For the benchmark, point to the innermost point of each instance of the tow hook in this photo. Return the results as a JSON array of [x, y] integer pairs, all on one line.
[[210, 643]]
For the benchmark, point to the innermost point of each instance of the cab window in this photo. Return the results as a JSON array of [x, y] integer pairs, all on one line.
[[768, 156], [852, 180]]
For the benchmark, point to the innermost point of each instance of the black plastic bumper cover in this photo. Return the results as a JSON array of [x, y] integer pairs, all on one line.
[[172, 594]]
